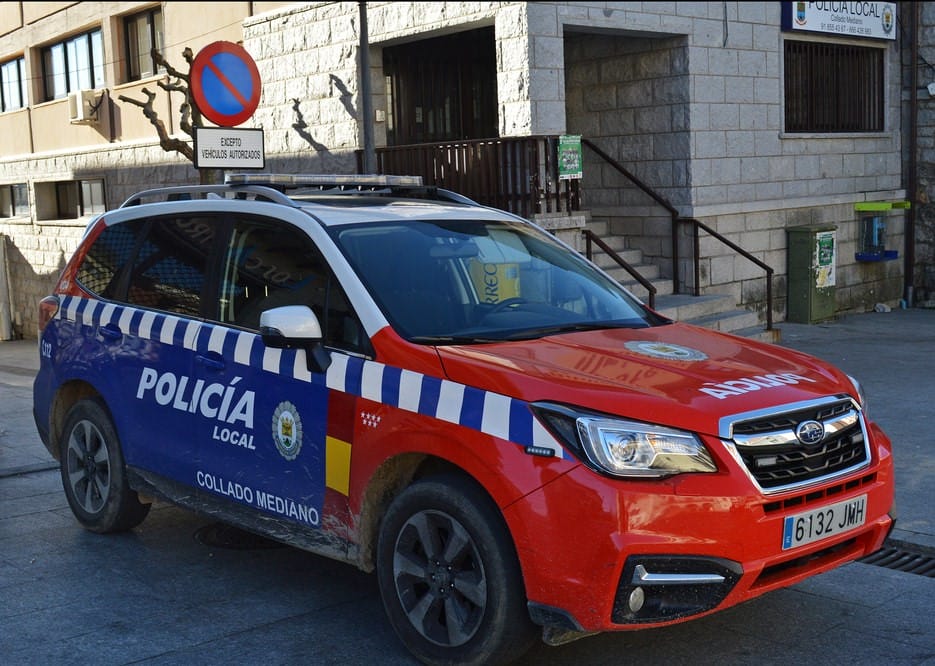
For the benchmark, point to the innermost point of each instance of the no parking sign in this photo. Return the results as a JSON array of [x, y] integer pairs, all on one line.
[[225, 83]]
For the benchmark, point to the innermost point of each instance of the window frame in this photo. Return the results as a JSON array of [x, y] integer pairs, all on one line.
[[215, 233], [858, 87], [141, 269], [70, 198], [333, 312], [153, 21], [106, 265], [12, 194], [62, 72], [19, 86]]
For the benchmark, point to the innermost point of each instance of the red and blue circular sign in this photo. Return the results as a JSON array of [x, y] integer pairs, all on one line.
[[225, 83]]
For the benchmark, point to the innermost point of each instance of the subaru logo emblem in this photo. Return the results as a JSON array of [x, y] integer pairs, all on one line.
[[810, 432]]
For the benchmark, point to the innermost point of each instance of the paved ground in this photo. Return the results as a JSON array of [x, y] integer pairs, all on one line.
[[893, 355], [159, 595]]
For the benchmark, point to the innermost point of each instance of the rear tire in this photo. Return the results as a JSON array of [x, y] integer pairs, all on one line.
[[94, 473], [449, 576]]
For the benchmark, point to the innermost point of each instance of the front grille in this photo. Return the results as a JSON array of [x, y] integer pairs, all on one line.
[[788, 421], [774, 456], [821, 495]]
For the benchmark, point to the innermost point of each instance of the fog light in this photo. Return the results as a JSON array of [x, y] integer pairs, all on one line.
[[636, 599], [661, 588]]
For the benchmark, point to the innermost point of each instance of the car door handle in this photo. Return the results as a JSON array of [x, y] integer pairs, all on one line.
[[110, 332], [211, 361]]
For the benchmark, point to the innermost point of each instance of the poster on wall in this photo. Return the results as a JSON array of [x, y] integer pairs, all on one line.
[[569, 156], [824, 258], [874, 20]]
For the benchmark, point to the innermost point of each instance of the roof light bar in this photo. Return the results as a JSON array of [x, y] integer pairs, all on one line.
[[321, 180]]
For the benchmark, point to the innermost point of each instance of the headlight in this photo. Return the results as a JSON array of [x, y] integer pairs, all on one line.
[[861, 396], [628, 448]]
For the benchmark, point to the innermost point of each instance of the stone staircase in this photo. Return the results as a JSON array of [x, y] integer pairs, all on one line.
[[717, 312]]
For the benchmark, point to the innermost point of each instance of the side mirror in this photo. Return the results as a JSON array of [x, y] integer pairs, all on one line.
[[295, 327]]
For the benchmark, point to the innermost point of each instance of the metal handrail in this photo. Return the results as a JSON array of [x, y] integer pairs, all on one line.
[[591, 237], [658, 198], [696, 225]]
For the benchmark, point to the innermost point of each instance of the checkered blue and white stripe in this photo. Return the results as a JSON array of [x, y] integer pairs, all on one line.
[[488, 412]]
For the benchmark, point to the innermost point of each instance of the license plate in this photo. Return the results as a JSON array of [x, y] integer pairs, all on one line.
[[827, 521]]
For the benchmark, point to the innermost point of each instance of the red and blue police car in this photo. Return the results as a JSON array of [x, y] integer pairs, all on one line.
[[443, 393]]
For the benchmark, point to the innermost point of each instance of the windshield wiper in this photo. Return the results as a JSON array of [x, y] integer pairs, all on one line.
[[525, 334], [452, 340], [532, 333]]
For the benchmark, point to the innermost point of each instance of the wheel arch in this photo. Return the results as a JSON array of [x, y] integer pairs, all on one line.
[[389, 480], [66, 397]]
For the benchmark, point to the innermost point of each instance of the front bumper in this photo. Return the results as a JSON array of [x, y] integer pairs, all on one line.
[[617, 555]]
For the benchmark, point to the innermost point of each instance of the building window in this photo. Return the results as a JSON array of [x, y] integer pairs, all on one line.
[[833, 88], [92, 197], [74, 64], [14, 200], [442, 89], [69, 199], [13, 84], [144, 34]]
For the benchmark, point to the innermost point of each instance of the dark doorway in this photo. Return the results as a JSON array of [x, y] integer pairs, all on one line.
[[442, 89]]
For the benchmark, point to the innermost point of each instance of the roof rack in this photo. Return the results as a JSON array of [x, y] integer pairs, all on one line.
[[411, 186], [331, 181], [190, 192], [279, 188]]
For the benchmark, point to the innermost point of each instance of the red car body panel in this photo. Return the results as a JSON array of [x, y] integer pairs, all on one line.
[[550, 503]]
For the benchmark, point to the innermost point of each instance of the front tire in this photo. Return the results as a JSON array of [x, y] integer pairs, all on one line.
[[94, 473], [449, 576]]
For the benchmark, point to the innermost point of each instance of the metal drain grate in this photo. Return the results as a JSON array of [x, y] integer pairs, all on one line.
[[901, 558]]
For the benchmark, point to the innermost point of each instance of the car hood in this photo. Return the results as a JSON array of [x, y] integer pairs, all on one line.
[[676, 375]]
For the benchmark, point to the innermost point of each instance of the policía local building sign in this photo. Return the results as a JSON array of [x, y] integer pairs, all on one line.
[[876, 20]]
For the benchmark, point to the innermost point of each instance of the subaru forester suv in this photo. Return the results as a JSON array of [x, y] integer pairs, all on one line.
[[443, 393]]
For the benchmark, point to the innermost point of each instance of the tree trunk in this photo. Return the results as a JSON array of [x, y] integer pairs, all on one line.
[[211, 176]]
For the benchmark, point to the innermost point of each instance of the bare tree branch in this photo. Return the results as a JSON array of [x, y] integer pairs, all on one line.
[[185, 108], [167, 142], [190, 115], [170, 70], [191, 118]]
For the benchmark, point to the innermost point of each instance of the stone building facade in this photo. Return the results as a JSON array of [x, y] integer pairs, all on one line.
[[924, 191], [687, 96]]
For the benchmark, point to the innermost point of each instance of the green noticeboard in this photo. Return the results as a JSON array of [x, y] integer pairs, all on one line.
[[569, 156]]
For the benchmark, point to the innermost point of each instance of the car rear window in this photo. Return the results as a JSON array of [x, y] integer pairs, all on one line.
[[107, 257]]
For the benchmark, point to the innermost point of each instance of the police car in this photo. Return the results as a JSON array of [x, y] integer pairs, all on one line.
[[394, 376]]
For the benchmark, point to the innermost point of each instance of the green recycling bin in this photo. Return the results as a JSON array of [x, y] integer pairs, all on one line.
[[810, 278]]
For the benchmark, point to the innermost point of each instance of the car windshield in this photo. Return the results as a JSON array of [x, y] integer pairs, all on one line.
[[473, 281]]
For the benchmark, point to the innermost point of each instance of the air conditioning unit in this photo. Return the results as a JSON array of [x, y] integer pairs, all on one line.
[[83, 106]]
